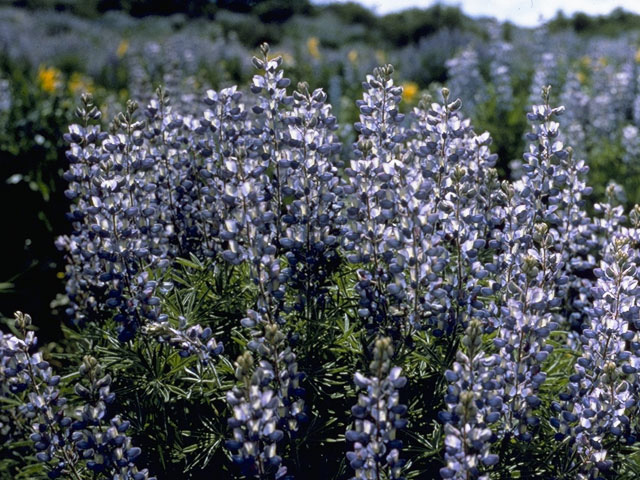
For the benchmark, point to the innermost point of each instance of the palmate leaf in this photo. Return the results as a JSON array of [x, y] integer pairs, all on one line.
[[207, 446], [629, 463]]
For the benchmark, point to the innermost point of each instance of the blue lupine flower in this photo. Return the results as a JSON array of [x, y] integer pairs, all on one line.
[[378, 416]]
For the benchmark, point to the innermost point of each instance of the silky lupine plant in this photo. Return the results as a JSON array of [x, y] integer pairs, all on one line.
[[378, 415], [125, 223], [601, 393], [474, 404], [534, 278], [254, 421], [274, 146], [71, 443], [372, 209], [457, 220], [371, 200], [111, 217], [438, 250]]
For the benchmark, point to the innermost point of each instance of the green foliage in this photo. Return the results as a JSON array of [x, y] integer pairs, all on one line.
[[352, 13], [31, 163], [178, 408], [507, 127], [611, 25], [408, 26]]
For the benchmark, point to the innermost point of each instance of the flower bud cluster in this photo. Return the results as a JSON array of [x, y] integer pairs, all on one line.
[[184, 206], [107, 451], [116, 221], [371, 200], [378, 416], [501, 69], [576, 103], [460, 219], [279, 361], [613, 98], [473, 404], [546, 73], [313, 220], [255, 420]]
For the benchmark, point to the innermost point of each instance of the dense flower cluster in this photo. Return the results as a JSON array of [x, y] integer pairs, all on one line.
[[255, 420], [414, 239], [473, 405], [372, 199], [130, 215], [534, 278], [464, 71], [5, 95], [602, 391], [71, 443], [378, 415]]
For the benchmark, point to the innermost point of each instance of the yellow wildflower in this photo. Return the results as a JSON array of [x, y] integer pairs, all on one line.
[[581, 77], [352, 56], [122, 48], [603, 61], [49, 78], [409, 91], [638, 56], [78, 83], [313, 45]]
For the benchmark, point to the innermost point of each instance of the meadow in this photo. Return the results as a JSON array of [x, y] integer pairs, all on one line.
[[318, 244]]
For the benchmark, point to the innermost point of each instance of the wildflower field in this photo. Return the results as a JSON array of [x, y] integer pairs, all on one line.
[[283, 240]]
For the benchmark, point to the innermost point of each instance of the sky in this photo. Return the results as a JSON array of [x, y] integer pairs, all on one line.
[[521, 12]]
